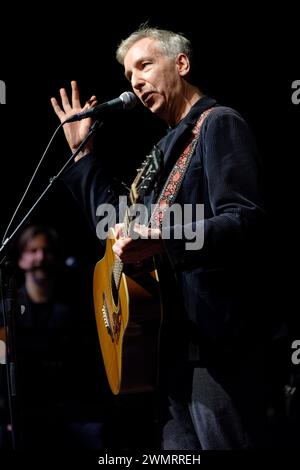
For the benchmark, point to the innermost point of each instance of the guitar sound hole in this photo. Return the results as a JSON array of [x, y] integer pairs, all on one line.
[[114, 289]]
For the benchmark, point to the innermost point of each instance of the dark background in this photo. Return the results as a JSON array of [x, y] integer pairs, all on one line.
[[243, 57]]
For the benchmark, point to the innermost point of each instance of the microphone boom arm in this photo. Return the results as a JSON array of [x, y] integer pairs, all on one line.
[[7, 242]]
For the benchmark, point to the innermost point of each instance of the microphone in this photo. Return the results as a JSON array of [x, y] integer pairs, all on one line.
[[126, 100]]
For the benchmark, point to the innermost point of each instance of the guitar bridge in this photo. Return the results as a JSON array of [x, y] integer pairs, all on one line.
[[105, 316]]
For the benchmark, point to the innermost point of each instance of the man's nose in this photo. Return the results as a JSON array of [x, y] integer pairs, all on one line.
[[137, 81]]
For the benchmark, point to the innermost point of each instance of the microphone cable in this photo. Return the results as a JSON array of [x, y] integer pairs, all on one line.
[[29, 185]]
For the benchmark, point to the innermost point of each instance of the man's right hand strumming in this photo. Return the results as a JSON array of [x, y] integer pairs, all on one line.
[[75, 132]]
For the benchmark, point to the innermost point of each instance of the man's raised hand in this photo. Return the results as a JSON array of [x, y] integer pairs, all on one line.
[[75, 132]]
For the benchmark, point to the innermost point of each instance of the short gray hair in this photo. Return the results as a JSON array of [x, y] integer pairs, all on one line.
[[170, 43]]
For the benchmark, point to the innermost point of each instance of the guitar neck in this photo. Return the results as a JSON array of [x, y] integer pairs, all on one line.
[[118, 264], [143, 180]]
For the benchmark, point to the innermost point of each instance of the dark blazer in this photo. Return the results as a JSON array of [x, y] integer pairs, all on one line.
[[218, 284]]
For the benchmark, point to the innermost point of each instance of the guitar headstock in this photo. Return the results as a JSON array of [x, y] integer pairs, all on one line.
[[146, 175]]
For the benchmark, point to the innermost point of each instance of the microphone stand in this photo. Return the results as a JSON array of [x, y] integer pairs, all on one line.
[[8, 296]]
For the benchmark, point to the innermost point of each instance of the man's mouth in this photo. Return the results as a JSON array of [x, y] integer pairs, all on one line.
[[147, 96]]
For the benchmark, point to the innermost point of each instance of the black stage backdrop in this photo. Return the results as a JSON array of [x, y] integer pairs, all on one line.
[[244, 60]]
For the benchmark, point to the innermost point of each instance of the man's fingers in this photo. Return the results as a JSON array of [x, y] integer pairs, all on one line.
[[75, 95], [57, 109], [91, 103], [65, 100], [141, 230], [119, 231], [66, 107]]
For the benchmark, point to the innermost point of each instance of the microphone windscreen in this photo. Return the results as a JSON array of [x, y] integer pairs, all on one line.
[[129, 99]]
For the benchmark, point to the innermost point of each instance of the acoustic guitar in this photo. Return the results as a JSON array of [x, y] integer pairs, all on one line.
[[128, 305]]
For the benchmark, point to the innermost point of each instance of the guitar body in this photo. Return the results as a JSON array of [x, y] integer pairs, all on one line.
[[128, 322]]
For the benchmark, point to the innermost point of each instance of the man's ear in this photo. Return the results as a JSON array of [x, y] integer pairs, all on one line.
[[183, 64]]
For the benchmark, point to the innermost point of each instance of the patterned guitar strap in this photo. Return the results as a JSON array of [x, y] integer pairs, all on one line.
[[172, 185]]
